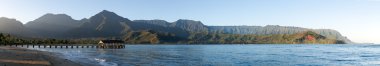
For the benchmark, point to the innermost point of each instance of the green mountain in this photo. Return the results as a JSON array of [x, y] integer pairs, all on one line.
[[275, 29], [52, 25], [152, 37], [14, 27], [103, 24], [109, 25]]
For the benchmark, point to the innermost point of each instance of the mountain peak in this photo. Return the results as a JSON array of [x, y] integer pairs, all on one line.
[[108, 15], [5, 19], [9, 20], [56, 23], [55, 15], [106, 12], [190, 25], [186, 20], [49, 17]]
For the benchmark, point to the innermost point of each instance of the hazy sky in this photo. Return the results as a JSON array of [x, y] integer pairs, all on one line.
[[359, 20]]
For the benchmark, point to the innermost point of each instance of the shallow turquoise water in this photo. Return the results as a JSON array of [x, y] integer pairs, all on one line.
[[227, 55]]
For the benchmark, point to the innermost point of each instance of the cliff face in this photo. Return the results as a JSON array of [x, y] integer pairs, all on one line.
[[275, 29], [190, 25], [307, 37]]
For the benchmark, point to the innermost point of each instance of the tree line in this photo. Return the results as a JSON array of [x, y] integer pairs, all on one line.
[[8, 39], [152, 37]]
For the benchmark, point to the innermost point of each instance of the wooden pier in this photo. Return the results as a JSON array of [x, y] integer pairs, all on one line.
[[63, 46]]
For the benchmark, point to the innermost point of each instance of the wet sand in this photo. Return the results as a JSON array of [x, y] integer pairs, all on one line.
[[13, 56]]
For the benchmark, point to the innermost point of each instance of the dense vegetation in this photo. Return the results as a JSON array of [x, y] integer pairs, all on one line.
[[307, 37], [8, 39], [152, 37]]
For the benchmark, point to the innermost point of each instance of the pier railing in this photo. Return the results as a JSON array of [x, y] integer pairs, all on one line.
[[63, 46]]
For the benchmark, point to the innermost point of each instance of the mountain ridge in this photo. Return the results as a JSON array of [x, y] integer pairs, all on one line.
[[107, 25], [52, 25]]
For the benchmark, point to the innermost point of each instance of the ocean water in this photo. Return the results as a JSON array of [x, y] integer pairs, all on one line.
[[227, 55]]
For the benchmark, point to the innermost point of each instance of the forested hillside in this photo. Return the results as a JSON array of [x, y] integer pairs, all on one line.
[[108, 25]]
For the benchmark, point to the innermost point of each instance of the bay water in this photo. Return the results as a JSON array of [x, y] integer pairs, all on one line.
[[227, 55]]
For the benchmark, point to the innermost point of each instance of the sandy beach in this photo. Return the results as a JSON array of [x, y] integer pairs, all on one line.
[[13, 56]]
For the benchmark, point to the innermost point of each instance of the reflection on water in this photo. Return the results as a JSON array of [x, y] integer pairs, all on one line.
[[227, 55]]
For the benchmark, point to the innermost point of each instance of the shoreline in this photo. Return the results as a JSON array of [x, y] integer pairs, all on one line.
[[14, 56]]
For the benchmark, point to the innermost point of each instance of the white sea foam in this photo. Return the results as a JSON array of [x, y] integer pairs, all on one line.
[[100, 60], [104, 63]]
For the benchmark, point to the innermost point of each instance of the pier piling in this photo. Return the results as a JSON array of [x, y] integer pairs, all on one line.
[[62, 46]]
